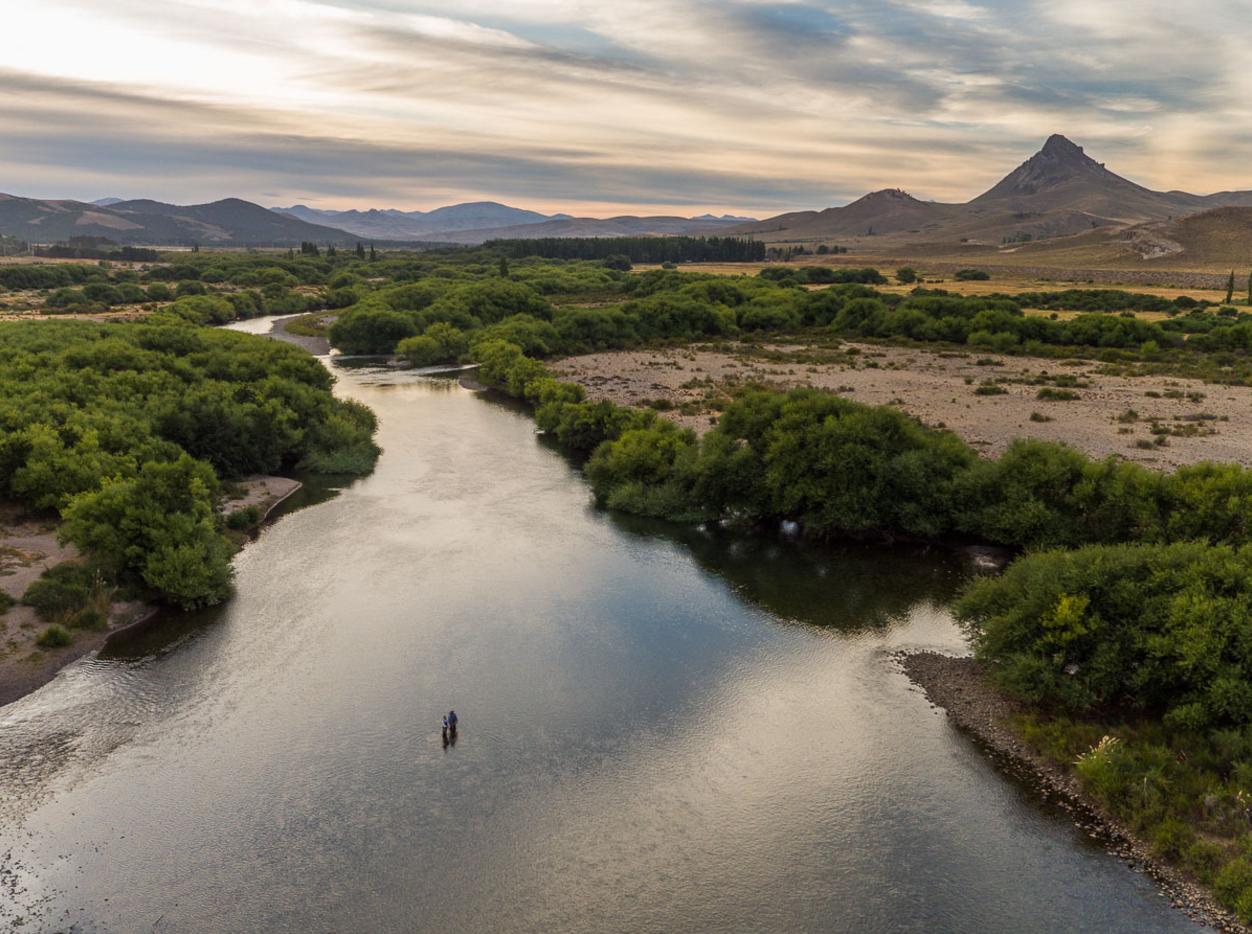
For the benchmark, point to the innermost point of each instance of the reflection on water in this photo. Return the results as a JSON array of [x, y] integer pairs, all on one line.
[[661, 729], [844, 587]]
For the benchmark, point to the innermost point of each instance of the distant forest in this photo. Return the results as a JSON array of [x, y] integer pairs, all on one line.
[[637, 249]]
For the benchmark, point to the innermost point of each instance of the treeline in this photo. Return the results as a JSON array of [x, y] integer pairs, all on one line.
[[822, 275], [50, 276], [669, 305], [637, 249], [1103, 300], [126, 430], [125, 254]]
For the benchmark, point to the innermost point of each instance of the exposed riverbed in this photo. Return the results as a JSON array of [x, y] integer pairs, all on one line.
[[662, 730]]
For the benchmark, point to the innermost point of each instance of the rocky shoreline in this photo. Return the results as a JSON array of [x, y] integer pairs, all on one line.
[[960, 686]]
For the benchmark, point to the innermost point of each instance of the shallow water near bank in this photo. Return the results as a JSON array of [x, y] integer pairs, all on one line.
[[662, 729]]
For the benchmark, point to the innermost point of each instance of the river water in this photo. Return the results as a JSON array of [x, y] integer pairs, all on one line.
[[662, 730]]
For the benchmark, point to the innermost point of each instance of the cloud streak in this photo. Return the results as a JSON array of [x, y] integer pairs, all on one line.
[[657, 105]]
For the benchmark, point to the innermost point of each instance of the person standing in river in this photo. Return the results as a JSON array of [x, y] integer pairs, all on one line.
[[450, 719], [445, 732]]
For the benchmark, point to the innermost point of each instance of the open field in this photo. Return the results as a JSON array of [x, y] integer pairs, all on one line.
[[1184, 422], [1168, 283]]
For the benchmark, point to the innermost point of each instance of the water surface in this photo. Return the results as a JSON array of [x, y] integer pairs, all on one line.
[[662, 730]]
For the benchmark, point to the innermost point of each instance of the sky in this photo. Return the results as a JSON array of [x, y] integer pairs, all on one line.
[[601, 107]]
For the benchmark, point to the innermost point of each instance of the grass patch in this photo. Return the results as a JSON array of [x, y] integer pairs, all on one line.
[[1049, 394], [244, 518], [54, 637], [73, 594]]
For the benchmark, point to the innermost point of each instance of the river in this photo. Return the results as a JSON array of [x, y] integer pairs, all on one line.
[[662, 730]]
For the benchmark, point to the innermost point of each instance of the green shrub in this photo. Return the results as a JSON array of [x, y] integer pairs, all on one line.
[[1204, 859], [87, 617], [54, 637], [1150, 628], [1232, 882], [62, 590], [244, 518], [1048, 394], [1172, 838]]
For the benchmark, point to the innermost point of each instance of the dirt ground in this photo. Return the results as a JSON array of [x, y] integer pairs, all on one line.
[[1111, 415], [261, 491], [28, 547]]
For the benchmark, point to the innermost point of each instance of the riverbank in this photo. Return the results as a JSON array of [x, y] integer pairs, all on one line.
[[29, 546], [962, 688]]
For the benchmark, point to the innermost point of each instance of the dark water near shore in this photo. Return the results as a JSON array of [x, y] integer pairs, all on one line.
[[662, 730]]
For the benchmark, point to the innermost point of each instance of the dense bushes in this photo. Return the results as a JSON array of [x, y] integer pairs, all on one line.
[[1154, 628], [51, 276], [822, 275], [667, 305], [1137, 662], [841, 468], [126, 428], [635, 249], [1095, 300], [157, 530]]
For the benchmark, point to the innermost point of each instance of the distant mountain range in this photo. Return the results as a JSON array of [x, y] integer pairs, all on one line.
[[230, 222], [625, 226], [1057, 200], [233, 222], [1057, 192], [392, 224], [477, 221]]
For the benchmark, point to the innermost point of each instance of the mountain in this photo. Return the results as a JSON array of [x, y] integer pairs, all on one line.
[[107, 202], [1059, 191], [624, 226], [888, 211], [230, 222], [1061, 177], [392, 224]]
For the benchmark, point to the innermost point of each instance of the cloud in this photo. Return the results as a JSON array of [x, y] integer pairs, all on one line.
[[726, 105]]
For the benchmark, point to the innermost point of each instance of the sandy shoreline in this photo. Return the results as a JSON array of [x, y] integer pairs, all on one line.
[[960, 686]]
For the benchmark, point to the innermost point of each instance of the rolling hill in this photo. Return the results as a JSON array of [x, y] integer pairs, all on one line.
[[624, 226], [1219, 238], [889, 211], [392, 224], [230, 222]]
